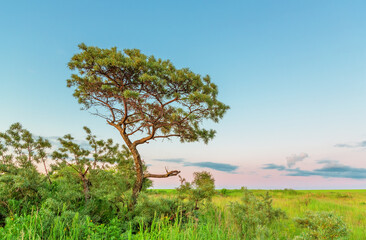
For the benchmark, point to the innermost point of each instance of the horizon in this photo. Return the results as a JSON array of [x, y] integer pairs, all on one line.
[[293, 75]]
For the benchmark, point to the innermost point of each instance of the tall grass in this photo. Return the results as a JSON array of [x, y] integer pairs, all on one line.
[[212, 225], [210, 222]]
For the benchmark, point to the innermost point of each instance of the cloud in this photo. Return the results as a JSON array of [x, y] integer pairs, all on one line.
[[224, 167], [335, 171], [173, 160], [355, 145], [274, 166], [327, 161], [293, 159], [342, 145], [331, 169]]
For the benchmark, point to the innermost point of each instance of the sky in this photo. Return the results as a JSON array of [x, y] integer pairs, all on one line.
[[293, 73]]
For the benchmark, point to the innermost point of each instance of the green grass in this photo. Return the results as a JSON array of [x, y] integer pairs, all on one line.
[[212, 223], [349, 204]]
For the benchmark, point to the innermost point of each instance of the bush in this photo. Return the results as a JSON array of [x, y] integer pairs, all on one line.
[[224, 192], [322, 225], [253, 215], [149, 210], [201, 188]]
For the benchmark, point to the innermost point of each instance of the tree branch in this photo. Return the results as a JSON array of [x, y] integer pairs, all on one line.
[[168, 174]]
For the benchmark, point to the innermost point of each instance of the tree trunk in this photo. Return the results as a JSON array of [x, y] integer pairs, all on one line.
[[85, 187], [139, 174], [138, 165], [45, 168]]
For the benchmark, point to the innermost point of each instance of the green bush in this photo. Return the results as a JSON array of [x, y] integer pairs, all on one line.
[[224, 192], [253, 215], [322, 225], [201, 188]]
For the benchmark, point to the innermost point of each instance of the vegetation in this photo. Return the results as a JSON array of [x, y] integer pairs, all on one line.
[[201, 188], [145, 99], [86, 194]]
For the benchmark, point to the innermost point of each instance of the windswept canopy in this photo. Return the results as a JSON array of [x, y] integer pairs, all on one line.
[[137, 93]]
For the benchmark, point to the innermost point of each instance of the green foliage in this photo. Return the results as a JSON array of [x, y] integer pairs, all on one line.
[[45, 225], [87, 193], [224, 192], [254, 214], [21, 185], [201, 188], [141, 93], [322, 225], [94, 180]]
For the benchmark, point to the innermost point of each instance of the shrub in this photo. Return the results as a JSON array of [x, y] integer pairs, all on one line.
[[224, 192], [201, 188], [254, 214], [322, 225]]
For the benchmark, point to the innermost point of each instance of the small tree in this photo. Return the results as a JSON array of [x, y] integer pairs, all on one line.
[[202, 187], [20, 182], [97, 158], [144, 98]]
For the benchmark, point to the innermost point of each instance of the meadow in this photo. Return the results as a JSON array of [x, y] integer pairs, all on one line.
[[214, 219], [350, 205]]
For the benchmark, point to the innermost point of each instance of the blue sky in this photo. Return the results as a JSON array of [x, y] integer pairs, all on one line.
[[293, 73]]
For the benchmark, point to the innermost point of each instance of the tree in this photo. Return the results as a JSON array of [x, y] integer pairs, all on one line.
[[21, 185], [145, 99], [97, 158], [202, 187]]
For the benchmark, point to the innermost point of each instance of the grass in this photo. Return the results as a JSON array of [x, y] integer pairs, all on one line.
[[349, 204], [212, 223]]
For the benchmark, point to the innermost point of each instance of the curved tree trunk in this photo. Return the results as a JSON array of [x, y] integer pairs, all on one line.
[[140, 175], [138, 165]]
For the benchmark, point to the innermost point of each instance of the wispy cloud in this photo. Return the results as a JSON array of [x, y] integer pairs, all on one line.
[[326, 161], [224, 167], [354, 145], [274, 166], [331, 169], [343, 145], [293, 159], [173, 160]]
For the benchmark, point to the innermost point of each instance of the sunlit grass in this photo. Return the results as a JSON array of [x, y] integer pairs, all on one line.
[[213, 223], [349, 204]]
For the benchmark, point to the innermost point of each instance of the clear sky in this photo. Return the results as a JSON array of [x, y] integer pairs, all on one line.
[[293, 73]]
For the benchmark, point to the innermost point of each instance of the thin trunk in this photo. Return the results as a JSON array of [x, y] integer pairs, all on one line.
[[45, 168], [196, 205], [85, 187]]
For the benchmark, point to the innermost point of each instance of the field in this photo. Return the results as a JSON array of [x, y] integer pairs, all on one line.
[[350, 205], [213, 221]]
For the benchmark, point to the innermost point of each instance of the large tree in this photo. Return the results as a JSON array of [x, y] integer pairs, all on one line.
[[144, 98]]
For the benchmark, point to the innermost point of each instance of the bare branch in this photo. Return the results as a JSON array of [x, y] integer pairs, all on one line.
[[168, 174]]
